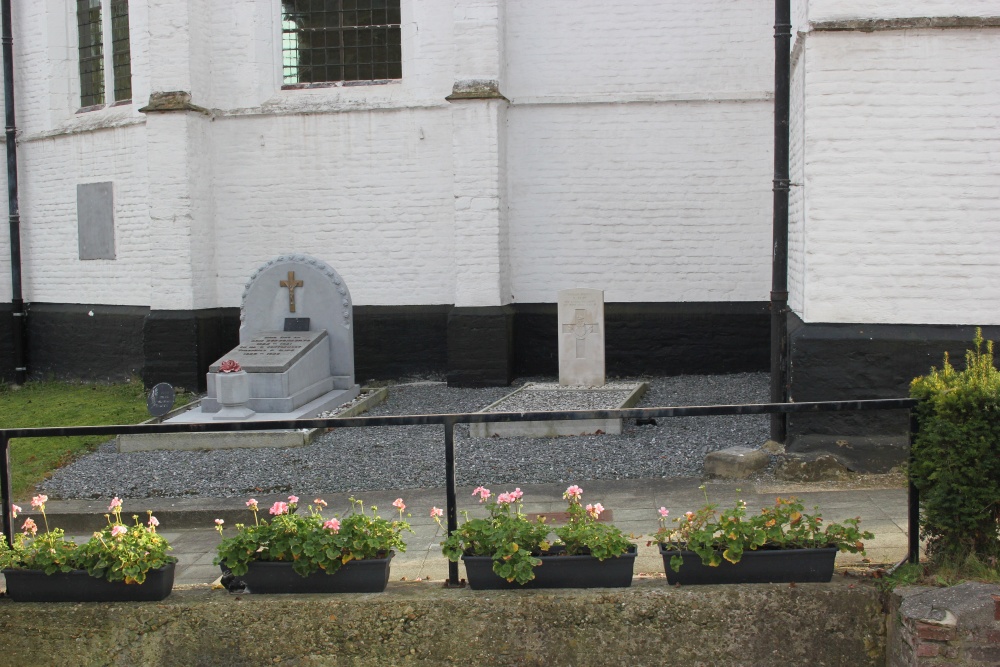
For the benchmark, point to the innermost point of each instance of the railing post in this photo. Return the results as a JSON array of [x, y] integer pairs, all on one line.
[[5, 496], [913, 498], [451, 501]]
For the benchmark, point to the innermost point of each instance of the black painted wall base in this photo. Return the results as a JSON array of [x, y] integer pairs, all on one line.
[[480, 346], [654, 338], [6, 343], [179, 345], [93, 342], [842, 361], [394, 342], [469, 346]]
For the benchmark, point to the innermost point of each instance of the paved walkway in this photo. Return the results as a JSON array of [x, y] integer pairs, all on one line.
[[188, 523]]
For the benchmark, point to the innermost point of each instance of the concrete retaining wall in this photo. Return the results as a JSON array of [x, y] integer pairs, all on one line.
[[423, 624]]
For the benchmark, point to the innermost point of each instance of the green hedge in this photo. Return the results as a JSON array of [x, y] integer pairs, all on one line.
[[956, 456]]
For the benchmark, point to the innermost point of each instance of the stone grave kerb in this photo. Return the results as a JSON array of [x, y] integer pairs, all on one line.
[[301, 286]]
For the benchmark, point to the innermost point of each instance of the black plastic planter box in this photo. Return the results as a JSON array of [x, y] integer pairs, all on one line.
[[273, 578], [763, 566], [78, 586], [557, 571]]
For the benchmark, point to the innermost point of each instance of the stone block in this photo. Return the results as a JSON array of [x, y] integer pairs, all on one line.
[[810, 468], [736, 462]]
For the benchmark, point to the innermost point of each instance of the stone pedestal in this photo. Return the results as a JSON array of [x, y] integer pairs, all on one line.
[[233, 393]]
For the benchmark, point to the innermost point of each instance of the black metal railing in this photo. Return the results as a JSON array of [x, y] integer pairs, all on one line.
[[449, 421]]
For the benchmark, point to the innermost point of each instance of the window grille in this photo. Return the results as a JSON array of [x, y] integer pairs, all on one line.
[[88, 14], [340, 40], [96, 20], [121, 52]]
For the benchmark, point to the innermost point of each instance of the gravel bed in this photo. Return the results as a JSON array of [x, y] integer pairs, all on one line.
[[401, 457], [540, 400]]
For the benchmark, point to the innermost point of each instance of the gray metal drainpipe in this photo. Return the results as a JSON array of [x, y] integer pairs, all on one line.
[[779, 258], [18, 337]]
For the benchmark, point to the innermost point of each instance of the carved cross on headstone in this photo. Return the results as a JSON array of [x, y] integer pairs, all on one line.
[[580, 328], [291, 284]]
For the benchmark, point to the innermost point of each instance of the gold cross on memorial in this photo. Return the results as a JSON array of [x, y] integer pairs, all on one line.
[[291, 284]]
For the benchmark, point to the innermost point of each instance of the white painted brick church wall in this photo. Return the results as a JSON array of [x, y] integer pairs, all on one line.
[[650, 202], [368, 192], [832, 10], [48, 173], [663, 199], [796, 174], [580, 48], [903, 177]]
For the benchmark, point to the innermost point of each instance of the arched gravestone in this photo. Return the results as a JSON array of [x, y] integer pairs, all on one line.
[[296, 336]]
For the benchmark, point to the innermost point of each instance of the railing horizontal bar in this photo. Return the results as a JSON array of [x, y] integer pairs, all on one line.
[[467, 418]]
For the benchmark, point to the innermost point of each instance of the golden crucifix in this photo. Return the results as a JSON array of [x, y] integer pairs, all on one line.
[[291, 284]]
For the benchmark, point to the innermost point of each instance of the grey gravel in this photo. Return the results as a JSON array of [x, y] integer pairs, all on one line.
[[403, 457]]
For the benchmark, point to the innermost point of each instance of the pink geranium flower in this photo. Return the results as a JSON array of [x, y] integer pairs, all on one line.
[[573, 493], [437, 512], [219, 522], [118, 531], [279, 508], [153, 521], [398, 504], [14, 510], [29, 526], [319, 502], [482, 492], [516, 493], [116, 503], [504, 499], [332, 525], [252, 504], [293, 500], [595, 510], [664, 512], [38, 502]]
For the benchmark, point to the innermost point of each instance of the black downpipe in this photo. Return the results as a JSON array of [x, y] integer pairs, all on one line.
[[779, 257], [18, 337]]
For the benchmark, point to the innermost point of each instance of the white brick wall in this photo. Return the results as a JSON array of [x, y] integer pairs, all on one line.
[[635, 157], [650, 202], [48, 173], [581, 48], [796, 174], [368, 192], [831, 10], [902, 177]]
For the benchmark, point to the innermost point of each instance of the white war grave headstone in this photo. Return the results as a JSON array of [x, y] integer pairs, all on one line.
[[581, 337]]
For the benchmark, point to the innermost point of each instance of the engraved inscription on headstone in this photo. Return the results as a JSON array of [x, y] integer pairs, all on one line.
[[273, 351], [581, 337], [161, 399]]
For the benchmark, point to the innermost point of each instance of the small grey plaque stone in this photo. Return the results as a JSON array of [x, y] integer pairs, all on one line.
[[161, 399]]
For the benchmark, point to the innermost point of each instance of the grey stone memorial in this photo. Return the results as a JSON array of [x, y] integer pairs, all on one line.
[[296, 355], [290, 371]]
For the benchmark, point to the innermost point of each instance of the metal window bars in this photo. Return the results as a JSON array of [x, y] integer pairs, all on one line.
[[449, 421], [88, 15], [121, 52], [326, 41]]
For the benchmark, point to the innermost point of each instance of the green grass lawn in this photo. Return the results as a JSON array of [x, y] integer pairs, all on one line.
[[51, 403]]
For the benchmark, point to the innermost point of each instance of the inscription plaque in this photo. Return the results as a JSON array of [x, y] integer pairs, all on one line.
[[272, 351], [161, 399]]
